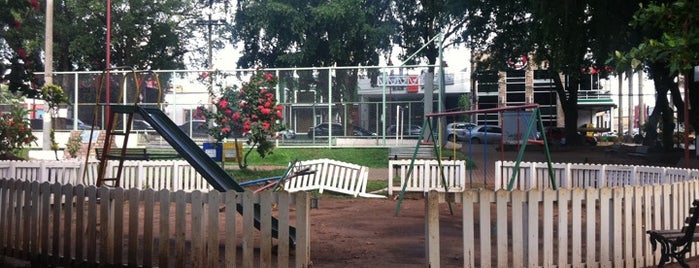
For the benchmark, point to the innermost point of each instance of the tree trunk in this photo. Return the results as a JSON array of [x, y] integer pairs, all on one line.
[[663, 84], [569, 103]]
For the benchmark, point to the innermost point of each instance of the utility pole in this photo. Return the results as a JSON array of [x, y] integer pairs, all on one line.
[[210, 23], [48, 72]]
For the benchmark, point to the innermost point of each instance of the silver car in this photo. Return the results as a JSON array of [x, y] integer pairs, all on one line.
[[459, 130], [485, 133]]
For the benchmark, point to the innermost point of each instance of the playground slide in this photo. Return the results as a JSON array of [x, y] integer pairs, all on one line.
[[208, 168]]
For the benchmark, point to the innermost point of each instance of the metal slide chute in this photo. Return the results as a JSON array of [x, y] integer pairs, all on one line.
[[190, 151]]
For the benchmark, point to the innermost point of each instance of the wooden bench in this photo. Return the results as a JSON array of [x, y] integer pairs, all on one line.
[[678, 242], [423, 152], [640, 151], [135, 154], [129, 154]]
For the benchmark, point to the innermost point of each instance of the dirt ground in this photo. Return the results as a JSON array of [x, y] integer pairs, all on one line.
[[349, 232]]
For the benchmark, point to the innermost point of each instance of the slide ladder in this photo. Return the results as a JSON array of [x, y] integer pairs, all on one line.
[[120, 152]]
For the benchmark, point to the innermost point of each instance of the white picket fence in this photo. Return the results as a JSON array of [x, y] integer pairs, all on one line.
[[425, 176], [42, 171], [331, 175], [535, 175], [563, 228], [147, 228], [172, 175], [175, 175]]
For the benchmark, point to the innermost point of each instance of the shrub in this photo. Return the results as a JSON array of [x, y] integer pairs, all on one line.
[[73, 145], [15, 131]]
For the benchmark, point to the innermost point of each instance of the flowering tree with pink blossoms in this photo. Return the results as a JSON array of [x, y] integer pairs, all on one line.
[[251, 111]]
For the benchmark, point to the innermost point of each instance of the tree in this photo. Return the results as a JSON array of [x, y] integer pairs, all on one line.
[[19, 55], [250, 110], [283, 33], [670, 47], [419, 22], [569, 37]]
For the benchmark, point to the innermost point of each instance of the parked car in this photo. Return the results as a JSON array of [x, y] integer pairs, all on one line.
[[136, 124], [556, 135], [459, 130], [485, 133], [358, 131], [195, 128], [61, 124], [412, 130], [284, 134], [323, 129]]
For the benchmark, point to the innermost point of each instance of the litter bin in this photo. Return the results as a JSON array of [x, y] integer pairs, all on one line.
[[213, 150], [231, 153]]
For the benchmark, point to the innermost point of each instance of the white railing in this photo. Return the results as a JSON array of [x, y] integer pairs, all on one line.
[[535, 175], [170, 175], [117, 227], [175, 175], [564, 228], [331, 175], [64, 172], [425, 176]]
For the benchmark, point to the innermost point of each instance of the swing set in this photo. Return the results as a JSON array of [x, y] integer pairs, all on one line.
[[518, 138]]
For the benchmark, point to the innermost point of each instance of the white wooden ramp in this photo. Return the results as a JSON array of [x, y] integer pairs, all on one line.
[[331, 175]]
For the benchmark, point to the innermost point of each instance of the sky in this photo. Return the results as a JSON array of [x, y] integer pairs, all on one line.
[[456, 58]]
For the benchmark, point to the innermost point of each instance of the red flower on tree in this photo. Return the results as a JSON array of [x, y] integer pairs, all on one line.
[[34, 4], [252, 109]]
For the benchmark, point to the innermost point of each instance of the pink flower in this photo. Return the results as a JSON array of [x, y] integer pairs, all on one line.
[[22, 53], [279, 107], [34, 4], [268, 104], [269, 77], [228, 112], [263, 90], [265, 111], [225, 130], [265, 126], [223, 103], [279, 114], [236, 116]]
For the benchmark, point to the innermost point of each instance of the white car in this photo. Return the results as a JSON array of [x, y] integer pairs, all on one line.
[[459, 130], [283, 134]]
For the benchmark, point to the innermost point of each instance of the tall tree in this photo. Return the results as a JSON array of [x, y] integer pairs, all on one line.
[[145, 34], [285, 33], [670, 47], [19, 53], [567, 36]]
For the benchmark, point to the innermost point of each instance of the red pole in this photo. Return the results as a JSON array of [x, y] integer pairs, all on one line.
[[108, 62]]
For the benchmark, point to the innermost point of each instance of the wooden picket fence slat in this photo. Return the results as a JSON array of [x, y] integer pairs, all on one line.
[[566, 227], [70, 225]]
